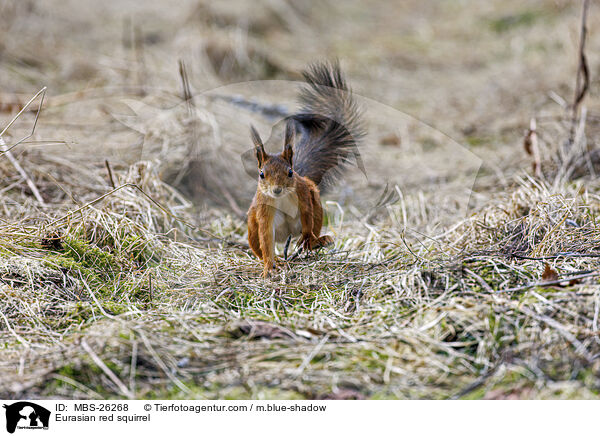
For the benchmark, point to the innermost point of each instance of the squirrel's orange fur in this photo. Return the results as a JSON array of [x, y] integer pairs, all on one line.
[[318, 140]]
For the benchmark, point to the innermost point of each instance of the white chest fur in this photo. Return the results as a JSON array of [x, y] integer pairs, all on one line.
[[287, 218]]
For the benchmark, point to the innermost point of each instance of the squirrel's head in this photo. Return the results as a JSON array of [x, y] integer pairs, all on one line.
[[275, 171]]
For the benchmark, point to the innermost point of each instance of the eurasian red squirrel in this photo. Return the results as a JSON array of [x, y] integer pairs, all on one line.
[[319, 141]]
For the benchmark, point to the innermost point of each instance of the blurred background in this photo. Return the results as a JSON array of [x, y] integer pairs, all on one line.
[[476, 71]]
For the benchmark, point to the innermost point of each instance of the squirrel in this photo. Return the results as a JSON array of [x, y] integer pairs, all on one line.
[[319, 141]]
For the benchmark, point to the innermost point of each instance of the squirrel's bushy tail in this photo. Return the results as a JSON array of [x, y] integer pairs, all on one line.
[[329, 126]]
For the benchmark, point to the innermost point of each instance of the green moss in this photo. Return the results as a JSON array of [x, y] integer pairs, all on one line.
[[513, 21], [114, 308], [90, 256], [136, 248], [104, 272], [475, 141]]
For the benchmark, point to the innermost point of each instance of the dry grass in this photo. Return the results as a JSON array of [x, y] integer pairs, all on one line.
[[148, 290]]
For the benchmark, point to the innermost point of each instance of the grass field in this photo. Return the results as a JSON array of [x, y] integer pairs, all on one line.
[[457, 271]]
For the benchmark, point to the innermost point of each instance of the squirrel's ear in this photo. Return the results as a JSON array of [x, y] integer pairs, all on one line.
[[288, 144], [261, 156]]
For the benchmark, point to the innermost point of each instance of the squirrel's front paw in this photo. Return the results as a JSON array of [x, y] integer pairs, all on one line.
[[307, 241], [324, 241]]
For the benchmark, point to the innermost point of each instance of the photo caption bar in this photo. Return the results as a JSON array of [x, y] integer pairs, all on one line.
[[72, 417]]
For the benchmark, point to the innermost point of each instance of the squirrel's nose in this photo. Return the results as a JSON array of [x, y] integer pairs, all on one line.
[[277, 190]]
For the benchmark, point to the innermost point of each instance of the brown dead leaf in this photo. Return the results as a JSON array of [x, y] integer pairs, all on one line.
[[390, 140], [549, 275], [52, 241]]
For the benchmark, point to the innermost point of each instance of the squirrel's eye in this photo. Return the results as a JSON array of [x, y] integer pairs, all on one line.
[[290, 173], [262, 175]]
